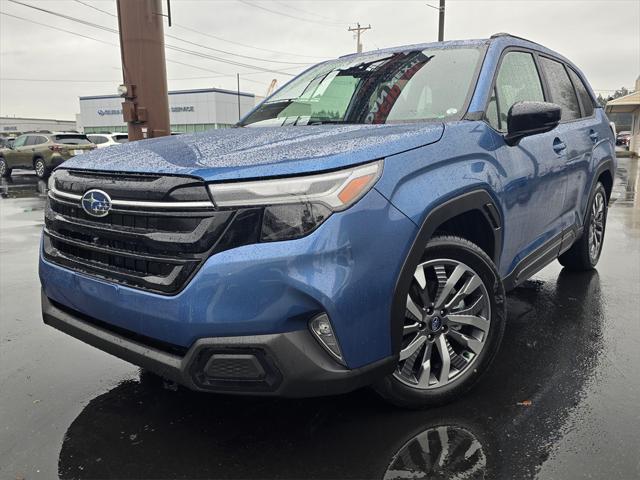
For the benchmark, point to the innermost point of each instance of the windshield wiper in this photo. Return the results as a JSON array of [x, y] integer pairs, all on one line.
[[329, 122]]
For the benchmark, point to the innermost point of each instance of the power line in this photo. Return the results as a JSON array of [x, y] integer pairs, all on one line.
[[215, 37], [168, 46], [244, 44], [201, 45], [313, 14], [96, 8], [295, 17], [218, 74]]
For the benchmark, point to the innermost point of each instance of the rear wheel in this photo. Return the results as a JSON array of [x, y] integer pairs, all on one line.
[[5, 171], [585, 252], [453, 325], [42, 171]]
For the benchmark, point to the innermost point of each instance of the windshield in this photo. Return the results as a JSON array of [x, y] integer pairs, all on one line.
[[410, 86]]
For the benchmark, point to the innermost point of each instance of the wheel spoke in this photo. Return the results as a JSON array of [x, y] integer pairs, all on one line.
[[443, 350], [425, 368], [472, 320], [411, 328], [455, 276], [413, 309], [410, 349], [471, 343], [420, 277], [469, 287], [472, 309]]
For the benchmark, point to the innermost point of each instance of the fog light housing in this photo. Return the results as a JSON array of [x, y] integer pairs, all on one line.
[[321, 328]]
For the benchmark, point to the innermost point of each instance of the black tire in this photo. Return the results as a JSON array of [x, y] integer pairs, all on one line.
[[580, 256], [5, 171], [40, 166], [458, 251]]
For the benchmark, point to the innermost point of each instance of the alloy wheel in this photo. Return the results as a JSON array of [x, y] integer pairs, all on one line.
[[447, 322], [596, 226], [40, 168]]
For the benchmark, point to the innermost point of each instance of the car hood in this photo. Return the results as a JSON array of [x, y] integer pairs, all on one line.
[[248, 152]]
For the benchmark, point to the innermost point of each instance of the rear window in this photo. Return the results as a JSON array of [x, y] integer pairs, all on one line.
[[71, 139], [121, 138]]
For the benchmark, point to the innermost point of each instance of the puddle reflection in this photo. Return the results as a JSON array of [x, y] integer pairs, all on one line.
[[140, 430]]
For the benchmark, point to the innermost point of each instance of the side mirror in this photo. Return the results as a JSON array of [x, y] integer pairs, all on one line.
[[531, 118]]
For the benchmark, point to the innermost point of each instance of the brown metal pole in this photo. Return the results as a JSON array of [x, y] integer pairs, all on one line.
[[146, 104]]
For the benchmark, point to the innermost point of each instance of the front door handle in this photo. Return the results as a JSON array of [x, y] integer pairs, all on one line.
[[593, 135], [559, 146]]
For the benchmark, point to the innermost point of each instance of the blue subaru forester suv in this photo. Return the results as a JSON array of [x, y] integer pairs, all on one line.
[[359, 227]]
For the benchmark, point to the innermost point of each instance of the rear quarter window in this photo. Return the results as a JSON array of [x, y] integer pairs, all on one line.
[[561, 88], [583, 94]]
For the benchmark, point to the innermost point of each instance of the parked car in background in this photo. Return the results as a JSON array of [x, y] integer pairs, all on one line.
[[42, 152], [359, 227], [6, 142], [103, 140], [623, 139]]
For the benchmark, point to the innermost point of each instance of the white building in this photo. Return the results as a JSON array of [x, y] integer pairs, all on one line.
[[13, 126], [629, 105], [190, 110]]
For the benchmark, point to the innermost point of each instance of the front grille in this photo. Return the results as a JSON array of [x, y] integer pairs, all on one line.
[[152, 247]]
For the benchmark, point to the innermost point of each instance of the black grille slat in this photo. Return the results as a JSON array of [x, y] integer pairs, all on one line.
[[153, 249]]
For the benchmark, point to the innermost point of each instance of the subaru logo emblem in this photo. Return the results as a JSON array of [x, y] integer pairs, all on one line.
[[96, 203], [436, 323]]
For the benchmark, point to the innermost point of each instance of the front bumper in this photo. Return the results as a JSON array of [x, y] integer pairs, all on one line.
[[290, 364], [347, 268]]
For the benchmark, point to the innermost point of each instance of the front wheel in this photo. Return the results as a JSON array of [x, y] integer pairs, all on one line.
[[5, 171], [453, 325]]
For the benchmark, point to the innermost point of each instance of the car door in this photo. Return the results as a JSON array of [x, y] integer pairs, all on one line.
[[534, 179], [578, 133], [14, 158]]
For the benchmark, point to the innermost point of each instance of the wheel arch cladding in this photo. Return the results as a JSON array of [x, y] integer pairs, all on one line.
[[477, 202]]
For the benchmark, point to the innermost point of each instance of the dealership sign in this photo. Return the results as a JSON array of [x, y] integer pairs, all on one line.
[[186, 108]]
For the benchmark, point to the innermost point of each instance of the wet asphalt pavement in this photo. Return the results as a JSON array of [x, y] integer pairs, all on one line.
[[561, 401]]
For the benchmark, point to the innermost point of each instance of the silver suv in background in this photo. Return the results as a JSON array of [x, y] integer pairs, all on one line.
[[103, 140]]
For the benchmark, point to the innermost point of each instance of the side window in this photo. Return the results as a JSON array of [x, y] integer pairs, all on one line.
[[97, 139], [31, 140], [517, 81], [561, 89], [583, 94], [40, 140], [20, 141]]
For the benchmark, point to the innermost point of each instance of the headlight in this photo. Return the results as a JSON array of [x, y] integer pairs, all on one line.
[[295, 206]]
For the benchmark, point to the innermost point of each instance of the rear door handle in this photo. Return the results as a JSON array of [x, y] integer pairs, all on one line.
[[593, 135], [558, 145]]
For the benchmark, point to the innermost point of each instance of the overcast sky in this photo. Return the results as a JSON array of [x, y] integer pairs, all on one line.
[[43, 71]]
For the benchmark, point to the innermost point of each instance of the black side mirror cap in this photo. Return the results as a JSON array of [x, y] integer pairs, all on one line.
[[531, 118]]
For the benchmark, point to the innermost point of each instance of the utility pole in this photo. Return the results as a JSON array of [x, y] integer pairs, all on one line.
[[441, 22], [146, 104], [238, 78], [358, 31]]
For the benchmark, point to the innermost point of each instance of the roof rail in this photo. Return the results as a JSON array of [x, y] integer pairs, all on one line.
[[505, 34]]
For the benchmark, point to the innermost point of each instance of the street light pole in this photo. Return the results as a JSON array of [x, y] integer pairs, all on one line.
[[146, 104]]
